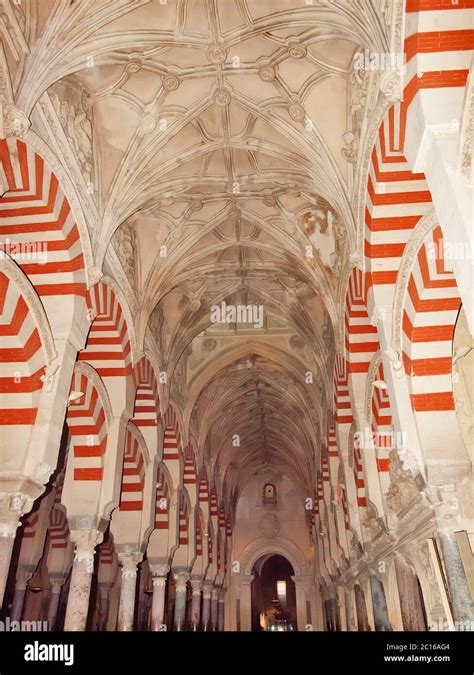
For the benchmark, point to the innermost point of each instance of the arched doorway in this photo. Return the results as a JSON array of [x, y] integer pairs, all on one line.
[[273, 594]]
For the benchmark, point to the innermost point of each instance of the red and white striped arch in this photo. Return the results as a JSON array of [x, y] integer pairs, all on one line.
[[163, 495], [438, 46], [359, 475], [189, 475], [203, 493], [108, 344], [58, 528], [22, 357], [342, 397], [214, 507], [319, 494], [107, 550], [133, 474], [430, 312], [36, 221], [172, 453], [361, 339], [396, 200], [87, 419], [382, 430], [184, 512], [147, 401], [198, 535], [438, 42], [30, 525]]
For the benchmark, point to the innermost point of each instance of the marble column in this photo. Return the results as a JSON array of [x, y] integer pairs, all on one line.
[[21, 585], [12, 508], [56, 586], [206, 605], [181, 580], [159, 574], [349, 610], [196, 585], [461, 600], [361, 609], [214, 608], [81, 578], [104, 604], [411, 607], [379, 603], [221, 611], [128, 563]]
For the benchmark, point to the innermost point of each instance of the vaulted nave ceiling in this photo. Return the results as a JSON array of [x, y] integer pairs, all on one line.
[[217, 130]]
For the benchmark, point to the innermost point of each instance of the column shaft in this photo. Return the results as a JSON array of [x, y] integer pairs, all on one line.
[[128, 563], [180, 601], [81, 577], [462, 604]]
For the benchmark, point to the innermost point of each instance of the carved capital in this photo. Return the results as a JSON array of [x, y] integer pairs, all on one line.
[[12, 507], [128, 562], [196, 585], [181, 580], [159, 571], [85, 542]]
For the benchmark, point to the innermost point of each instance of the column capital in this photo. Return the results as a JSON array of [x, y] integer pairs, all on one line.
[[12, 507], [57, 583], [23, 575], [181, 579], [207, 590], [85, 542], [215, 593], [196, 585], [159, 570], [129, 561]]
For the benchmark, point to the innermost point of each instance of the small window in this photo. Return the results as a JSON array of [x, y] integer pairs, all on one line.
[[269, 494]]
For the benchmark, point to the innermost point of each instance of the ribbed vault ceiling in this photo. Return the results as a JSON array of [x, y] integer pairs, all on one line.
[[218, 131]]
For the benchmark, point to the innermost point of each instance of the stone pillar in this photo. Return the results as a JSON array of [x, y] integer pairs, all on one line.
[[181, 579], [412, 610], [245, 596], [214, 608], [221, 611], [206, 605], [350, 618], [81, 577], [302, 585], [196, 585], [379, 603], [104, 603], [461, 600], [128, 563], [56, 586], [361, 609], [22, 578], [159, 575], [12, 508]]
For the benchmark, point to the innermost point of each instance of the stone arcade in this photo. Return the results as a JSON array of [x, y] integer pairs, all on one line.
[[310, 469]]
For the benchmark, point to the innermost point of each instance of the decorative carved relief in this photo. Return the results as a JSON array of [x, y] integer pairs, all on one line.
[[125, 244], [403, 488], [76, 121]]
